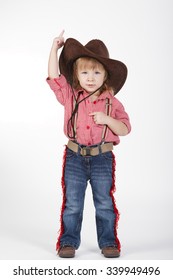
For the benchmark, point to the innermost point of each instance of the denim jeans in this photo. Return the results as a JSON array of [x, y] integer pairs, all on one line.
[[79, 170]]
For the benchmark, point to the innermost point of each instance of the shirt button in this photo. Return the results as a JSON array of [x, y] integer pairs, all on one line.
[[89, 143], [87, 127], [94, 102]]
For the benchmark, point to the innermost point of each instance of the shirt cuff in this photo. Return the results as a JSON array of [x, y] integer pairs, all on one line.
[[56, 82], [126, 122]]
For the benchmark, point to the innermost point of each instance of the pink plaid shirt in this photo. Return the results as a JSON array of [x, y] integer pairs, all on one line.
[[87, 132]]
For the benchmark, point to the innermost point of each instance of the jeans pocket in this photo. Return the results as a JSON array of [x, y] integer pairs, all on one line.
[[107, 155], [70, 153]]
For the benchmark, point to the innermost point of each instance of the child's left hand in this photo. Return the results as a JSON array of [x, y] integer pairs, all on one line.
[[99, 117]]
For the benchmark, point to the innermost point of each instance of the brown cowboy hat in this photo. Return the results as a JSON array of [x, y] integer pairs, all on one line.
[[72, 50]]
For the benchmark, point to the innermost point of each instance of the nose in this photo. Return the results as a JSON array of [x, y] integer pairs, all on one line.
[[90, 77]]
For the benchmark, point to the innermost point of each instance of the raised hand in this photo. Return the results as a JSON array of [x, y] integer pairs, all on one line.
[[53, 64], [58, 42]]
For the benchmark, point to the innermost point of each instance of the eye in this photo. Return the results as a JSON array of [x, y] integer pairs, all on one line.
[[84, 72], [97, 72]]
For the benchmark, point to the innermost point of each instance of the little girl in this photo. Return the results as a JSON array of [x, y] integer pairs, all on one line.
[[85, 80]]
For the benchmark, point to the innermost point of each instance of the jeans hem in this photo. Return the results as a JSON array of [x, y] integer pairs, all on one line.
[[108, 245], [69, 244]]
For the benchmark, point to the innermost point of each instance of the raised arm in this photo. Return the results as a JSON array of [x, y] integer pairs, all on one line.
[[53, 64]]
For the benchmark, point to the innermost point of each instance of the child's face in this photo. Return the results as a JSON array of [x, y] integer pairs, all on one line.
[[91, 75]]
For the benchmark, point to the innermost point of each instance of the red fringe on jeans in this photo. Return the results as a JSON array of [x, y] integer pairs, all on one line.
[[112, 191], [61, 231]]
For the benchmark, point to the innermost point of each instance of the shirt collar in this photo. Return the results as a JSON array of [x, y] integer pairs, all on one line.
[[103, 95]]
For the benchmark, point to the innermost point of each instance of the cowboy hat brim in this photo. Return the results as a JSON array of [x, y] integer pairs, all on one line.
[[72, 50]]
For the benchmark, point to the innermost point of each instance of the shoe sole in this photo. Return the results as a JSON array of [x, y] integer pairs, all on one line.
[[112, 256], [66, 256]]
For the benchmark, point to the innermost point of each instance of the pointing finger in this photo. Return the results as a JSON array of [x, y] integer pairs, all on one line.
[[62, 33]]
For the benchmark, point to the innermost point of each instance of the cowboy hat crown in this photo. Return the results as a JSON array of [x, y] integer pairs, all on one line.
[[98, 47]]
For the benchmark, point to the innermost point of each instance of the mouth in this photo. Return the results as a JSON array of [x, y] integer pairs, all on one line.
[[90, 85]]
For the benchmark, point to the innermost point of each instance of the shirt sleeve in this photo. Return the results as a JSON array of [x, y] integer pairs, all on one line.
[[61, 88], [121, 115]]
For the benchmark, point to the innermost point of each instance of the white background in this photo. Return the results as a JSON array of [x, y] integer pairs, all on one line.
[[138, 32]]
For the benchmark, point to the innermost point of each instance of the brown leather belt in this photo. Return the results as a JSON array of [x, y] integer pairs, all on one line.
[[90, 151]]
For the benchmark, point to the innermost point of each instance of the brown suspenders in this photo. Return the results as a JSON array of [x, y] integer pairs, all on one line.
[[108, 113]]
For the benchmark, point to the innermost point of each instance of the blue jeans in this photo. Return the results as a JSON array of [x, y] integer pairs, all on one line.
[[98, 171]]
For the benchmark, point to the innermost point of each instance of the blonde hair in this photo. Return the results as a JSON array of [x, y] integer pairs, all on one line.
[[91, 63]]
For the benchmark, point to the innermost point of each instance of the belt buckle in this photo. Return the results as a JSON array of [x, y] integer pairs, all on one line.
[[86, 151]]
